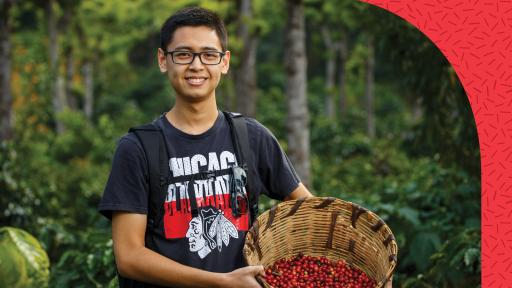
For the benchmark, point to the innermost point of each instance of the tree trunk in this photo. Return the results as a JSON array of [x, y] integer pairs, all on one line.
[[245, 77], [57, 83], [296, 65], [66, 98], [89, 89], [70, 72], [330, 72], [343, 52], [417, 109], [226, 94], [61, 97], [88, 71], [369, 88], [6, 126]]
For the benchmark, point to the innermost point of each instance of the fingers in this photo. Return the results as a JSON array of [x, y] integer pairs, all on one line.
[[257, 270], [389, 283], [247, 277]]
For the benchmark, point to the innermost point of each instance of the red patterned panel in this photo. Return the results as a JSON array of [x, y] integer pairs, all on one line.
[[476, 37]]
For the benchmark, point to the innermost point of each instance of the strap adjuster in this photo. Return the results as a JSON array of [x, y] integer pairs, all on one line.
[[206, 175]]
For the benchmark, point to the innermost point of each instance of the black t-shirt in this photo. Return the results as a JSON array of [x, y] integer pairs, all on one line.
[[213, 240]]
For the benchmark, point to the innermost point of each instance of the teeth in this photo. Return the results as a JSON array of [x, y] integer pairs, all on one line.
[[195, 80]]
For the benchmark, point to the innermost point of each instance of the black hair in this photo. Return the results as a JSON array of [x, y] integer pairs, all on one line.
[[193, 16]]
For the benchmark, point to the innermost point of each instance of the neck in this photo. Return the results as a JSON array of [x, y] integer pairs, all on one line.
[[193, 117]]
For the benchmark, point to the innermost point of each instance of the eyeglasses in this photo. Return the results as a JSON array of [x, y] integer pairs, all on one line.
[[187, 57], [239, 201]]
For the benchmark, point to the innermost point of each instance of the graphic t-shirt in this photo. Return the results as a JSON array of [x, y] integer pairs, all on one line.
[[212, 240]]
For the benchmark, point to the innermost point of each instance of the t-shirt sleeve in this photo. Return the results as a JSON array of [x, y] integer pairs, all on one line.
[[127, 186], [276, 172]]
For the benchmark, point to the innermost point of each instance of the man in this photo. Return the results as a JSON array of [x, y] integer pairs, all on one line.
[[203, 250]]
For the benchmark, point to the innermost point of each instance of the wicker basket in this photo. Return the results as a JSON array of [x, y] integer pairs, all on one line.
[[323, 226]]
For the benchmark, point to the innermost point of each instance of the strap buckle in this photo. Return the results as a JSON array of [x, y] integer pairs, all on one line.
[[239, 200]]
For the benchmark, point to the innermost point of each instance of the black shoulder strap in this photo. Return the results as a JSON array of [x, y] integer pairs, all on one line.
[[240, 136], [152, 139]]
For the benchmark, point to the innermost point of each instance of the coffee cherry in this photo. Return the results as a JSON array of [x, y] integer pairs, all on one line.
[[304, 271]]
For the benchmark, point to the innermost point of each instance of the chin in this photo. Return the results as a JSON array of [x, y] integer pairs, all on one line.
[[196, 97]]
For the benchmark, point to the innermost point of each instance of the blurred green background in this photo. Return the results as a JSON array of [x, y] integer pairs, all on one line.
[[396, 136]]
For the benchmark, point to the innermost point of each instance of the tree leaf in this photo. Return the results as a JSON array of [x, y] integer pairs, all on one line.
[[410, 214]]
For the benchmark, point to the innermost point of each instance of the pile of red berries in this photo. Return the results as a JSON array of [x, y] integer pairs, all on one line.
[[311, 272]]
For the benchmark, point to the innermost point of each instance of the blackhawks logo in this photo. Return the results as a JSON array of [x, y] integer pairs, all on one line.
[[208, 231]]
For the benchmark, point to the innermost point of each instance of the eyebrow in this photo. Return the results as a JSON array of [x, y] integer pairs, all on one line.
[[204, 48]]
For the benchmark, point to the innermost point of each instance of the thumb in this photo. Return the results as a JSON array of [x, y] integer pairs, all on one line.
[[257, 269]]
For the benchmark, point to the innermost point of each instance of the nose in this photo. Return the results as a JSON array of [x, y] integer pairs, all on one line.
[[196, 63]]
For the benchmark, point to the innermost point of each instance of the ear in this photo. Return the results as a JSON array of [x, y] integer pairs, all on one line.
[[162, 60], [225, 62]]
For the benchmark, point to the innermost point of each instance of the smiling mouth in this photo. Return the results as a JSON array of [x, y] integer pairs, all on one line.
[[195, 81]]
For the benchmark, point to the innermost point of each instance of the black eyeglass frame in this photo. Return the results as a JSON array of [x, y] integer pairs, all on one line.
[[194, 54]]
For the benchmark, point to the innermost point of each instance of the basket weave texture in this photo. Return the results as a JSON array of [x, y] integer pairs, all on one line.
[[323, 226]]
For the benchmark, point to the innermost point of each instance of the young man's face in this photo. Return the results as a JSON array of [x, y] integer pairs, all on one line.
[[195, 81]]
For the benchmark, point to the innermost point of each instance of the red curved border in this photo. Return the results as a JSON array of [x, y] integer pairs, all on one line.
[[476, 37]]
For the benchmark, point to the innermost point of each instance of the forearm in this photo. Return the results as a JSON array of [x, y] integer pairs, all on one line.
[[145, 265], [300, 192]]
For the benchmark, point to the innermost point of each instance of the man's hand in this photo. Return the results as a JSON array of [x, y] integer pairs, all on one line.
[[389, 284], [244, 277]]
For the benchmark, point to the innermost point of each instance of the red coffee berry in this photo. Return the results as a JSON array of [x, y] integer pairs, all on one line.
[[304, 271]]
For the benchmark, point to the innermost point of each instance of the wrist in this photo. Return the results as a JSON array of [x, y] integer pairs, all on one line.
[[221, 280]]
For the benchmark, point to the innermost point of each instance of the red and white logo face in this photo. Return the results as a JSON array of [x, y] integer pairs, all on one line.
[[212, 198]]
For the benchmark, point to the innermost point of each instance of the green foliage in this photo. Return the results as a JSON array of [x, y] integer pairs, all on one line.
[[433, 210], [24, 263], [90, 254], [23, 191], [53, 190], [458, 260]]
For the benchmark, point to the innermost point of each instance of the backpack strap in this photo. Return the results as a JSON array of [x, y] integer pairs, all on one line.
[[240, 137], [153, 143]]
